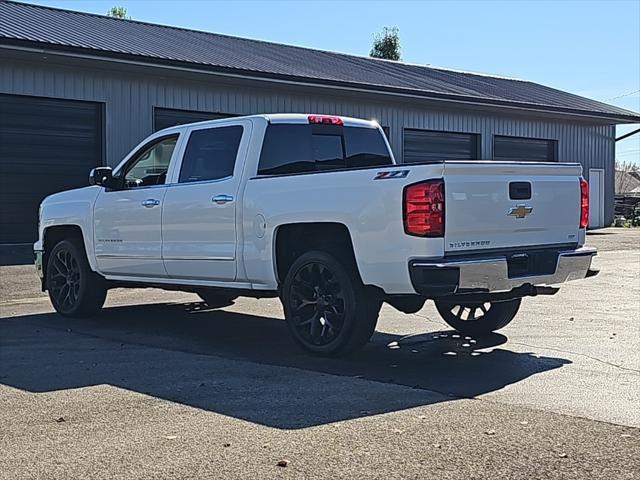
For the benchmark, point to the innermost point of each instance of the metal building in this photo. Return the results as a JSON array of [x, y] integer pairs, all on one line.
[[79, 90]]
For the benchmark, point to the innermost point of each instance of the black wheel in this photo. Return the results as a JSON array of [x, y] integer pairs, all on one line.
[[215, 299], [74, 289], [327, 309], [478, 318]]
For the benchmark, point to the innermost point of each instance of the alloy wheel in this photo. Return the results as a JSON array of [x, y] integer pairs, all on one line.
[[318, 304], [64, 279], [470, 312]]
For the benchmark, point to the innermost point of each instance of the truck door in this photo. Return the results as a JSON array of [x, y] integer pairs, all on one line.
[[199, 210], [127, 220]]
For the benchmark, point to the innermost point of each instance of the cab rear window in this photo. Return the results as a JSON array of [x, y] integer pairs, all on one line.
[[291, 148]]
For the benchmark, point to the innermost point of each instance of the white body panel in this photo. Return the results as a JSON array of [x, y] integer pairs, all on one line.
[[371, 211], [71, 208], [127, 234], [199, 222], [478, 205], [187, 239]]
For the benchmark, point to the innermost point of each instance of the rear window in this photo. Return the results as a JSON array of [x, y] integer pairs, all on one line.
[[291, 148]]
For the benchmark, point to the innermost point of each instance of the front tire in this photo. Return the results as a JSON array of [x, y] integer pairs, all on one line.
[[74, 289], [327, 308], [478, 318]]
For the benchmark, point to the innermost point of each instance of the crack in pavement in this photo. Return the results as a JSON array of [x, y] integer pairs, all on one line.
[[579, 354]]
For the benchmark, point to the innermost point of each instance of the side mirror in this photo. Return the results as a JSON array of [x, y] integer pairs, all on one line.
[[102, 176]]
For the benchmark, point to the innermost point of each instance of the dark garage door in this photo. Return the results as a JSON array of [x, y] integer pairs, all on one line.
[[433, 146], [524, 149], [167, 117], [46, 146]]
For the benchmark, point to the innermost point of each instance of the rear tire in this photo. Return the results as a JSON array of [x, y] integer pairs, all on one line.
[[479, 318], [74, 289], [327, 308]]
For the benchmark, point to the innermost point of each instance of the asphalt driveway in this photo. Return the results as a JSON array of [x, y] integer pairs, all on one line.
[[158, 386]]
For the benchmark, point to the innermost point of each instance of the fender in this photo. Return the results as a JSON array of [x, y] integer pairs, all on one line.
[[70, 208]]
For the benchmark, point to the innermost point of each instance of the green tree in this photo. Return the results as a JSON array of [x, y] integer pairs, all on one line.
[[118, 12], [386, 44]]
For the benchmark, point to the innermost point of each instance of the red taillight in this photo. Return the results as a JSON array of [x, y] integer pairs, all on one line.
[[424, 209], [584, 203], [326, 119]]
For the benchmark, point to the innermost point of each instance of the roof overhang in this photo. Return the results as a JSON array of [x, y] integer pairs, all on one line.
[[139, 60]]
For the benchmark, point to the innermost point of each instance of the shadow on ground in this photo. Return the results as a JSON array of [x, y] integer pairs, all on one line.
[[185, 353]]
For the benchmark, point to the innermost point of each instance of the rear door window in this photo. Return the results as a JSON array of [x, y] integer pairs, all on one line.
[[210, 154], [296, 148]]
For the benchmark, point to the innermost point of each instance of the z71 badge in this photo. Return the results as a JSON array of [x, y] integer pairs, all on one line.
[[391, 174]]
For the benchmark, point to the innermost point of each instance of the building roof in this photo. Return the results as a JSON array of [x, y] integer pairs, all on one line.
[[41, 27]]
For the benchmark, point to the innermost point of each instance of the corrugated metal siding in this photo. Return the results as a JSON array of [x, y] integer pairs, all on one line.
[[129, 100]]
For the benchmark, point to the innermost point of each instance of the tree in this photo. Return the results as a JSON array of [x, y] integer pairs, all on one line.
[[118, 12], [627, 177], [386, 44]]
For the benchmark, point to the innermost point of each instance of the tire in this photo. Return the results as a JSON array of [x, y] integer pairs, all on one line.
[[216, 300], [478, 318], [328, 310], [407, 303], [74, 289]]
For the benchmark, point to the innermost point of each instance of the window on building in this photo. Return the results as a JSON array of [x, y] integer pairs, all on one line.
[[293, 148], [387, 132], [210, 154], [524, 149], [435, 146]]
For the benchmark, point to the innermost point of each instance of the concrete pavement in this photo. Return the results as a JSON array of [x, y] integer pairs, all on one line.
[[160, 387]]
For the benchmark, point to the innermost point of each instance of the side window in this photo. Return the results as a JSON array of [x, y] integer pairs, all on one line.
[[210, 154], [151, 165]]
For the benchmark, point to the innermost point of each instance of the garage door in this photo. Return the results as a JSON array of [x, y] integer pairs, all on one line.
[[46, 146], [168, 117], [433, 146], [524, 149]]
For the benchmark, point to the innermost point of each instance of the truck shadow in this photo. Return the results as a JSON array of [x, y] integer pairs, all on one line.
[[226, 362]]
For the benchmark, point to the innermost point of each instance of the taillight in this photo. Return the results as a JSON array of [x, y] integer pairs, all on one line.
[[424, 209], [325, 119], [584, 203]]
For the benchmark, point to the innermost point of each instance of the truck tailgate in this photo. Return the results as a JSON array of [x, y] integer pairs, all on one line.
[[503, 205]]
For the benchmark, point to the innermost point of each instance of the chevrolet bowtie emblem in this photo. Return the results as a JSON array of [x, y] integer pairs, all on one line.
[[520, 211]]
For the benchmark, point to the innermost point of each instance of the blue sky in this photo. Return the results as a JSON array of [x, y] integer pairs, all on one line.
[[590, 48]]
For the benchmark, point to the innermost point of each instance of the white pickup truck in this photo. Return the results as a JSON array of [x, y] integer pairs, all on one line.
[[314, 209]]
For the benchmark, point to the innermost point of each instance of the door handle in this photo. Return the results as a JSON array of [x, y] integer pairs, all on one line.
[[222, 199], [151, 202]]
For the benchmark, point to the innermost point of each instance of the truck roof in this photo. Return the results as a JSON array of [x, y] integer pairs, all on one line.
[[294, 118]]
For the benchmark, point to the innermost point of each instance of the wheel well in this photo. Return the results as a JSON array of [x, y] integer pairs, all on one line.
[[54, 235], [294, 239]]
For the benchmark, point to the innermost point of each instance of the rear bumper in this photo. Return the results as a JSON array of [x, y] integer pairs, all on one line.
[[498, 272]]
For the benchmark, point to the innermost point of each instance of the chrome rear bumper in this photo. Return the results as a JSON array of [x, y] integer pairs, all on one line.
[[494, 274]]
